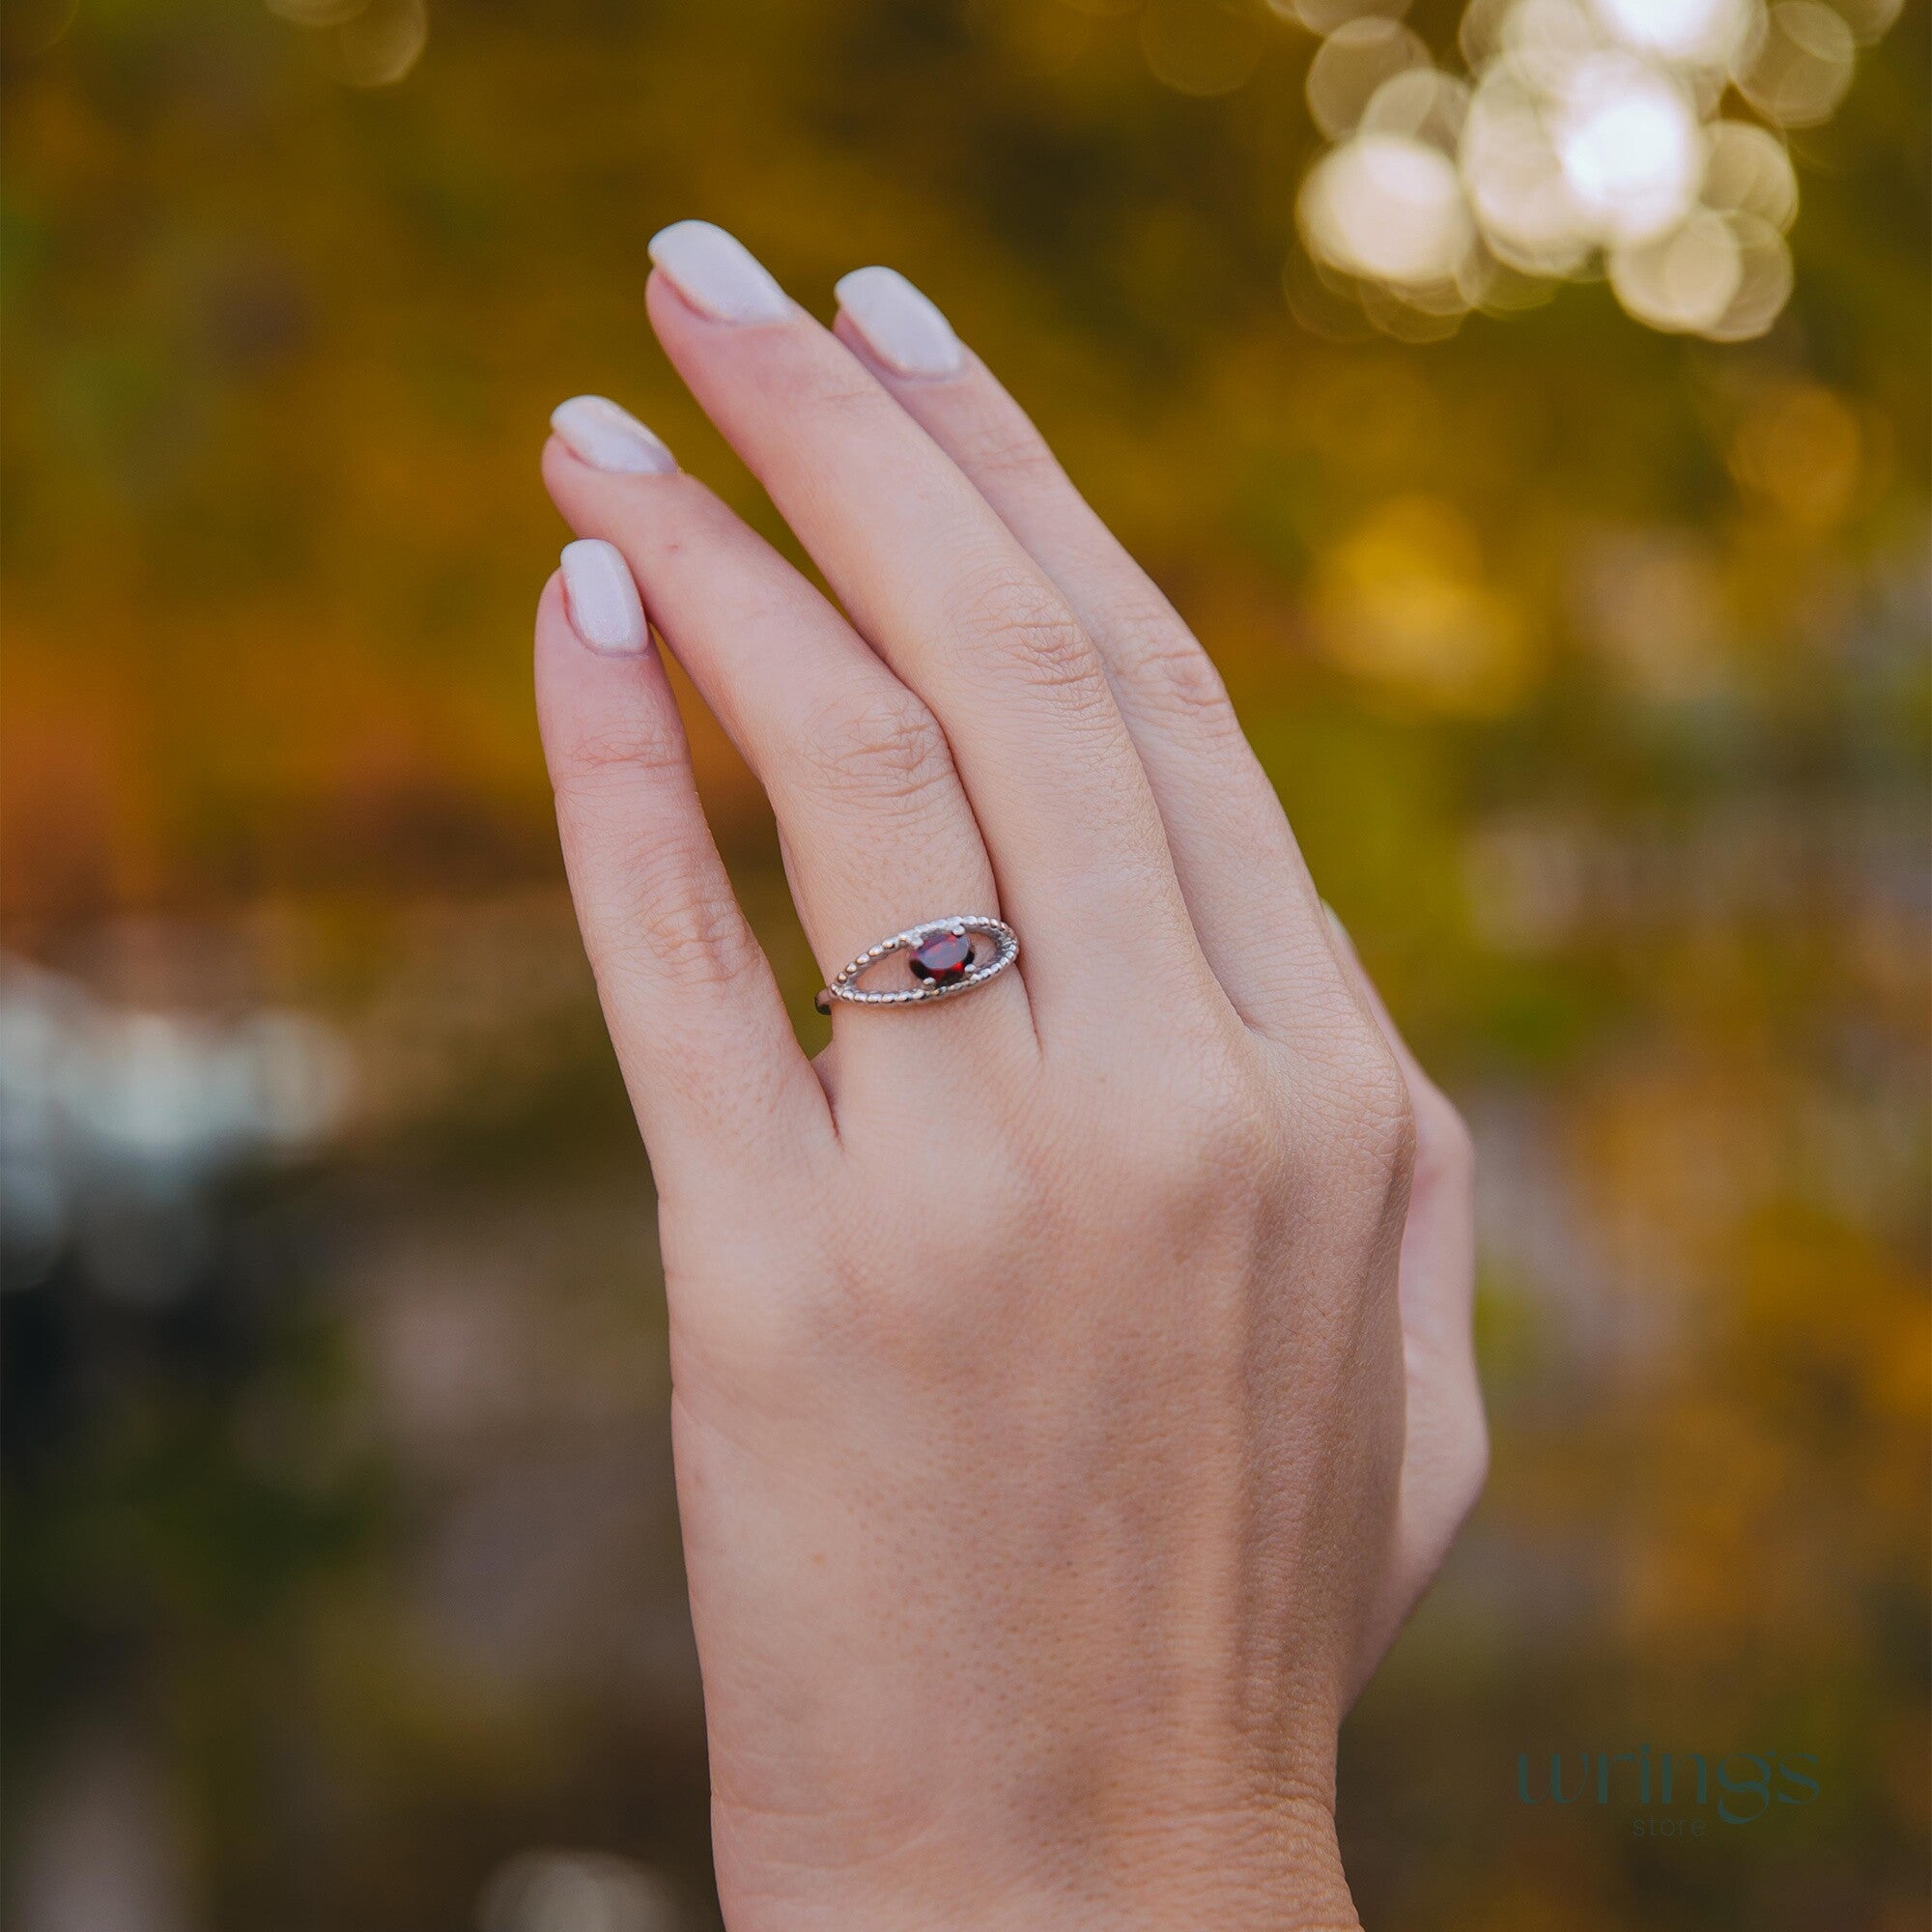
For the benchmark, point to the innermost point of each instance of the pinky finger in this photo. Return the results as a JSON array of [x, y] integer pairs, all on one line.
[[1445, 1453], [714, 1073]]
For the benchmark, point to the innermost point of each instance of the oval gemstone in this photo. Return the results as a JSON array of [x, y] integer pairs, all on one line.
[[942, 961]]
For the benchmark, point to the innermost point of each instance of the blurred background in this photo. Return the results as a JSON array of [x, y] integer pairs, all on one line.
[[1528, 403]]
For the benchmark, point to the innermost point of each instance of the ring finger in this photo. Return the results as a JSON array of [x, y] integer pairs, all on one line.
[[876, 829]]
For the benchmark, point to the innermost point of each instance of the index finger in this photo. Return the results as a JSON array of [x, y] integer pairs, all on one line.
[[715, 1072]]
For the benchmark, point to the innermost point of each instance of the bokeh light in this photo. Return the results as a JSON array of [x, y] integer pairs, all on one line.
[[1591, 138], [382, 42], [1683, 280], [1405, 606], [1389, 206], [576, 1891], [1703, 33], [1630, 148], [1421, 103], [1747, 170], [1516, 182], [366, 42], [1201, 50], [1352, 63], [316, 13], [1802, 450], [1869, 19], [1802, 66], [1323, 16]]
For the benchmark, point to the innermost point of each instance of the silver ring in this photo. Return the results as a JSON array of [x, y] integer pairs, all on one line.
[[943, 958]]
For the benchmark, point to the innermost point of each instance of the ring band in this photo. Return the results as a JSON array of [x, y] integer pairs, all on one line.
[[943, 959]]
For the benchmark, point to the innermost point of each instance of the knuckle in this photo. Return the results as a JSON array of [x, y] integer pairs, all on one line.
[[681, 921], [885, 750], [1218, 1137], [1166, 663], [1367, 1090], [687, 930], [833, 385], [616, 759], [1035, 631], [1389, 1121], [1008, 450]]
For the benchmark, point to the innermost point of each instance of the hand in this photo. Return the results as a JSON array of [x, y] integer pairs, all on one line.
[[1039, 1354]]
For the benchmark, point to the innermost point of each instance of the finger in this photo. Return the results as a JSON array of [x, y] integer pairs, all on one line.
[[714, 1071], [1252, 905], [943, 591], [1438, 1307], [876, 828], [1445, 1450]]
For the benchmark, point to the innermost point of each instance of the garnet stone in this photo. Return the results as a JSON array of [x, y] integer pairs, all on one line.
[[944, 960]]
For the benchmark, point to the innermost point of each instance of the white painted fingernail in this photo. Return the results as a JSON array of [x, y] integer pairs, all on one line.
[[602, 597], [606, 437], [900, 325], [716, 273]]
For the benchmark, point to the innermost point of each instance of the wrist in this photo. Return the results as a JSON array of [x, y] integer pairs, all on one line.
[[1280, 1872]]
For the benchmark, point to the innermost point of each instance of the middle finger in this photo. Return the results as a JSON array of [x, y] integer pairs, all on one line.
[[946, 595]]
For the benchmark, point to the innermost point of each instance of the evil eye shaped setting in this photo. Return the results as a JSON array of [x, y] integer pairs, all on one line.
[[945, 958]]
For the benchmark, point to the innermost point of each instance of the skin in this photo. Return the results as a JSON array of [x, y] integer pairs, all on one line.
[[1073, 1381]]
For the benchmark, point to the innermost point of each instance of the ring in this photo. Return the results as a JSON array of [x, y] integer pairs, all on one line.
[[940, 955]]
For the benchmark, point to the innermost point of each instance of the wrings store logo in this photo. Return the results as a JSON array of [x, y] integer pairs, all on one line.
[[1679, 1785]]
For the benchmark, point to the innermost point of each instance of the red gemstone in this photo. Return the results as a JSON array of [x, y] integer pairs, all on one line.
[[943, 960]]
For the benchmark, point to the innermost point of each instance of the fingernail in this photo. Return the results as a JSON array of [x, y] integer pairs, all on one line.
[[900, 325], [608, 438], [716, 273], [598, 589]]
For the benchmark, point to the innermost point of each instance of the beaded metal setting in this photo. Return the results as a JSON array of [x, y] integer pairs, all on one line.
[[934, 949]]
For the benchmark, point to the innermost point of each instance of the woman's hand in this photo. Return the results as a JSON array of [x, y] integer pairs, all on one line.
[[1048, 1477]]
